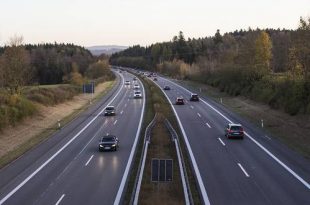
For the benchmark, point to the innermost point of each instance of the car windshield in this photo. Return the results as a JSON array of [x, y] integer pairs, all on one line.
[[110, 108], [194, 95], [236, 128], [107, 139], [137, 92]]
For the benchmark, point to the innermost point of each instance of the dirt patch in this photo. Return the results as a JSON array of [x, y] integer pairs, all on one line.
[[12, 137], [291, 130], [161, 147]]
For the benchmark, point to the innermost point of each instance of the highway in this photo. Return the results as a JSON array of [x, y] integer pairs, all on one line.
[[68, 168], [257, 170]]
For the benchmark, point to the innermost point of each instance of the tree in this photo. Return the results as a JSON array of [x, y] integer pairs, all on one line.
[[217, 37], [263, 47], [302, 46], [15, 66], [75, 77]]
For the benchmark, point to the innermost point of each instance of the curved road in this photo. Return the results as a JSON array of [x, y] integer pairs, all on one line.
[[67, 168]]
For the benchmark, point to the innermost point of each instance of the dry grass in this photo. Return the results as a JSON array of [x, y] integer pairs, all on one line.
[[30, 129], [291, 130], [161, 147]]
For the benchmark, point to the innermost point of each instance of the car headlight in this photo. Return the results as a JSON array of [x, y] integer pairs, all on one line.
[[113, 145], [100, 145]]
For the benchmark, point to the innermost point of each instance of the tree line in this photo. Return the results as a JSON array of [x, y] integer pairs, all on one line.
[[268, 65], [48, 63]]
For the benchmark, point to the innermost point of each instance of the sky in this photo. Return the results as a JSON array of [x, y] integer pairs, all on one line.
[[132, 22]]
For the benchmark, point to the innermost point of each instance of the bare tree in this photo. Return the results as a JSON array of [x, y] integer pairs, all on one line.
[[15, 65]]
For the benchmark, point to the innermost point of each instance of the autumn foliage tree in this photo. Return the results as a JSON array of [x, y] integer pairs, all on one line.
[[15, 66]]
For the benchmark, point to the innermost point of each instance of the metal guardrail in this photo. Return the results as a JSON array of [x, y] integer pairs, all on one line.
[[184, 176], [137, 185]]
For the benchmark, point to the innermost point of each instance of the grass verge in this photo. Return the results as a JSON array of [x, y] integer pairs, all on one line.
[[35, 140]]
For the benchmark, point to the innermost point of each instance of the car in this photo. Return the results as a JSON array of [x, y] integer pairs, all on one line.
[[194, 97], [127, 82], [109, 143], [109, 110], [234, 131], [136, 86], [137, 94], [134, 78], [166, 87], [155, 79], [179, 101]]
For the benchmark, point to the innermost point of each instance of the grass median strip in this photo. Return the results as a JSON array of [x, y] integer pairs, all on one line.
[[161, 147]]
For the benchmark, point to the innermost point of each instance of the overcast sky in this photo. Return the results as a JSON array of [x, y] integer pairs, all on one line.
[[130, 22]]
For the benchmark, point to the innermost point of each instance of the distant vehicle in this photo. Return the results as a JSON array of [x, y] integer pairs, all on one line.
[[109, 142], [194, 97], [120, 71], [234, 131], [134, 78], [155, 79], [136, 86], [109, 110], [137, 94], [166, 87], [179, 101], [127, 82]]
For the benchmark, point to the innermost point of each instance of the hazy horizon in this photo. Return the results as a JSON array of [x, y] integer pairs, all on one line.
[[131, 22]]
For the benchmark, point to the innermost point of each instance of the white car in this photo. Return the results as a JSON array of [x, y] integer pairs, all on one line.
[[137, 94], [136, 86], [127, 82]]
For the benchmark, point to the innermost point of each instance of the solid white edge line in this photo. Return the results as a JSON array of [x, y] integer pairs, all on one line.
[[115, 122], [221, 141], [60, 150], [306, 184], [241, 167], [89, 160], [208, 125], [197, 172], [59, 200], [125, 175]]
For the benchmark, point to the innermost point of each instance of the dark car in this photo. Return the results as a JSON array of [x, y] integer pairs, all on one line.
[[109, 142], [179, 101], [155, 79], [166, 87], [194, 97], [109, 110], [234, 131]]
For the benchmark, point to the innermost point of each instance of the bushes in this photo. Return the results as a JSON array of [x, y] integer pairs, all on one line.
[[52, 96], [14, 109]]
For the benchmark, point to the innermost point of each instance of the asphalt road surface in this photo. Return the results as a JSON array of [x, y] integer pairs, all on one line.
[[68, 168], [256, 170]]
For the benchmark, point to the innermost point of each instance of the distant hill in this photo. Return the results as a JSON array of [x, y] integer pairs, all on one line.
[[98, 50]]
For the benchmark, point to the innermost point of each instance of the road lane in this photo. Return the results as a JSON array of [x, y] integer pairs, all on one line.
[[69, 164], [225, 181]]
